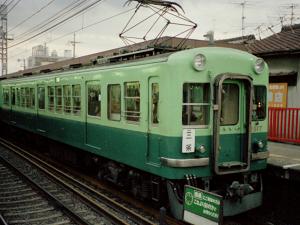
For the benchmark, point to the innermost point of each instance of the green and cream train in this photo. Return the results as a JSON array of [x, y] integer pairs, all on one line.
[[153, 125]]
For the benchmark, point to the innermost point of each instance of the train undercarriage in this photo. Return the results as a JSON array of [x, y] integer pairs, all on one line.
[[241, 192]]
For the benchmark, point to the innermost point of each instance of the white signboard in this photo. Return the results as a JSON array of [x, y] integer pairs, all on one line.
[[188, 140]]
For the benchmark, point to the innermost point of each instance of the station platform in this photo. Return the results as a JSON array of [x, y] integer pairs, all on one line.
[[284, 160]]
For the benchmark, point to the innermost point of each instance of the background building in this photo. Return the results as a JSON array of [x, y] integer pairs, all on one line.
[[282, 53]]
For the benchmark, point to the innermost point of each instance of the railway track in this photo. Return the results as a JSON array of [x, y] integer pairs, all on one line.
[[88, 205], [24, 202]]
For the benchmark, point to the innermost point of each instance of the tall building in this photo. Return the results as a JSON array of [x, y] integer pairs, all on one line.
[[40, 56]]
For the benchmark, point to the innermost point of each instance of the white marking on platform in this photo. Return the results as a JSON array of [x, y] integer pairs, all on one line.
[[284, 157], [290, 166]]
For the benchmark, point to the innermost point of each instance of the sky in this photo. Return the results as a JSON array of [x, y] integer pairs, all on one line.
[[224, 17]]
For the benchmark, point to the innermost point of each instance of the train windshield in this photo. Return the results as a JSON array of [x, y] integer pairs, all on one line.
[[195, 107]]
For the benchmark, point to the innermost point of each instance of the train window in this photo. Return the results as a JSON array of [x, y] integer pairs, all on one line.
[[114, 102], [18, 99], [51, 99], [230, 104], [259, 103], [132, 101], [6, 96], [67, 99], [32, 98], [58, 96], [23, 98], [196, 104], [13, 96], [76, 91], [154, 103], [41, 97], [94, 99]]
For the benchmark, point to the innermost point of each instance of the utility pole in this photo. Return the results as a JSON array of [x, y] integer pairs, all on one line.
[[3, 39], [292, 7], [243, 4], [73, 43]]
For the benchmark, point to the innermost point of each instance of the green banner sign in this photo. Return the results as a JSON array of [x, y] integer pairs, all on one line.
[[200, 203]]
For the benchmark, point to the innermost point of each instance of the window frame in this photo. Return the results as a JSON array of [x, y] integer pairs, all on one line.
[[98, 84], [58, 108], [76, 112], [155, 124], [38, 97], [65, 107], [109, 89], [239, 105], [208, 104], [137, 114]]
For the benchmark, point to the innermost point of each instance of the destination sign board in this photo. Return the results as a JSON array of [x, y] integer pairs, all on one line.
[[202, 207]]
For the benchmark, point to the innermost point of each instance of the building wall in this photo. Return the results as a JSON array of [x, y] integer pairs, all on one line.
[[281, 67]]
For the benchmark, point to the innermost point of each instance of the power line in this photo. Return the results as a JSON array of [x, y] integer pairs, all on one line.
[[50, 19], [35, 13], [55, 25], [13, 6], [80, 29]]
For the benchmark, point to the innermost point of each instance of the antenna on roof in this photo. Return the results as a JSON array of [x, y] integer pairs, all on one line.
[[271, 29], [243, 4], [292, 7], [258, 28]]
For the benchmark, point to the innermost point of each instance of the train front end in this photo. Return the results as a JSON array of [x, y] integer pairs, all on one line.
[[223, 127]]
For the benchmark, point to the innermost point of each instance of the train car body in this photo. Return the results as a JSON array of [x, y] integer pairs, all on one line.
[[194, 116]]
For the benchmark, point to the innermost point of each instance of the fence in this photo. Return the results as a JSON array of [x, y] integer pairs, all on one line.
[[284, 124]]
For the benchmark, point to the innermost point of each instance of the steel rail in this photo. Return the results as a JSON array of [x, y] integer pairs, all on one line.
[[52, 199], [139, 219]]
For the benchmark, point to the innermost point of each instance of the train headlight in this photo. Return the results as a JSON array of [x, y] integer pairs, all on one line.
[[201, 148], [199, 62], [260, 145], [259, 66]]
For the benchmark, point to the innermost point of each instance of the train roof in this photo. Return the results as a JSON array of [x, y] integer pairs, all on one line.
[[145, 56]]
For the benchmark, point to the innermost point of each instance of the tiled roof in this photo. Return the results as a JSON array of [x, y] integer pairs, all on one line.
[[286, 41]]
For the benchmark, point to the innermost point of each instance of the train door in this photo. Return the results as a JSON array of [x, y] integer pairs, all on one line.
[[41, 107], [153, 152], [232, 125], [93, 114]]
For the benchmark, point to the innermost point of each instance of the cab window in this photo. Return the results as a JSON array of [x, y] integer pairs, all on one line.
[[94, 99], [195, 106], [259, 103], [114, 102], [132, 101]]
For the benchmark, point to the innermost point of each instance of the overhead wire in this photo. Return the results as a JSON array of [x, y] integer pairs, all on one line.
[[13, 6], [55, 25], [80, 29], [32, 15], [51, 19]]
